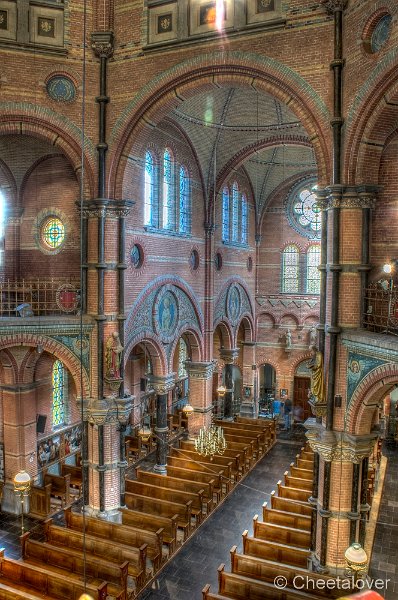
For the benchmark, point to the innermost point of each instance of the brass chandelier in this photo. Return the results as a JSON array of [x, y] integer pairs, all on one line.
[[210, 441]]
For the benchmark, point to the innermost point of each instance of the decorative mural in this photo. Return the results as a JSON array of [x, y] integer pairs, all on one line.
[[163, 312], [232, 304], [80, 347], [359, 365]]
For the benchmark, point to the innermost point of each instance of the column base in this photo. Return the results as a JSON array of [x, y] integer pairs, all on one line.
[[106, 515], [161, 469]]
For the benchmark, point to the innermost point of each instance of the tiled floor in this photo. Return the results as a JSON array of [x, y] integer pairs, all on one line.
[[197, 561], [384, 564]]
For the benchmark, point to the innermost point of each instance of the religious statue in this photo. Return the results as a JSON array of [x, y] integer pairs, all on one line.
[[113, 356], [313, 336], [288, 340], [315, 364]]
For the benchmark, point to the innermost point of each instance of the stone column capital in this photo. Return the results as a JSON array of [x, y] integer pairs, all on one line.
[[339, 196], [107, 410], [334, 5], [102, 43], [229, 355], [339, 445], [162, 384], [199, 370]]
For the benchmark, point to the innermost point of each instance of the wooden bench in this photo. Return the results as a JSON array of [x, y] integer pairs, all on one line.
[[269, 424], [40, 501], [302, 473], [298, 483], [153, 524], [175, 483], [72, 565], [52, 585], [244, 588], [163, 493], [60, 487], [292, 506], [258, 434], [162, 508], [145, 543], [236, 456], [275, 552], [204, 463], [108, 550], [75, 476], [281, 534], [199, 477], [306, 455], [304, 464], [287, 519], [231, 435], [292, 493], [221, 462], [265, 570]]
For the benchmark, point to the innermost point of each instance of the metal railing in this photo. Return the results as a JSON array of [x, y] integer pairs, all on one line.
[[381, 307], [39, 297]]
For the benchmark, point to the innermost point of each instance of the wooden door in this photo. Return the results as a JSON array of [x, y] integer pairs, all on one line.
[[301, 408]]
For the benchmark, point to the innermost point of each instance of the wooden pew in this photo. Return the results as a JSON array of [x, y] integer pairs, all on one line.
[[281, 517], [304, 464], [60, 487], [75, 476], [275, 552], [292, 493], [257, 568], [232, 435], [269, 424], [48, 583], [303, 473], [161, 526], [198, 476], [162, 508], [7, 592], [171, 495], [108, 550], [72, 564], [307, 455], [175, 483], [250, 431], [244, 588], [281, 534], [214, 471], [238, 456], [297, 482], [292, 506], [40, 501], [221, 462], [142, 543]]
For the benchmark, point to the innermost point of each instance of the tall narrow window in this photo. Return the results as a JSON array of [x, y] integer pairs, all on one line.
[[290, 270], [235, 212], [182, 357], [168, 190], [2, 227], [58, 385], [244, 228], [149, 189], [313, 281], [225, 215], [185, 204]]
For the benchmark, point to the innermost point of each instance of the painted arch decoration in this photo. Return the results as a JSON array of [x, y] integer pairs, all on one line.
[[232, 304]]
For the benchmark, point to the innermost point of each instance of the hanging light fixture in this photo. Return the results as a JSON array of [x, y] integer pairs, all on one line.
[[210, 440]]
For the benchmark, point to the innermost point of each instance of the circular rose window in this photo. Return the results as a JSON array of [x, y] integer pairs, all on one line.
[[53, 233], [302, 210]]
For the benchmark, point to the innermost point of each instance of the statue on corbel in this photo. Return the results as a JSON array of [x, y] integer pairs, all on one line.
[[113, 359], [316, 394]]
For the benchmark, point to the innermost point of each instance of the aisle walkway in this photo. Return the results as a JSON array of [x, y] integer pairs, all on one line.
[[196, 563]]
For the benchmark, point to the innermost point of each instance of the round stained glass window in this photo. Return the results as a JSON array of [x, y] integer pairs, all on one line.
[[136, 256], [380, 33], [303, 212], [53, 233]]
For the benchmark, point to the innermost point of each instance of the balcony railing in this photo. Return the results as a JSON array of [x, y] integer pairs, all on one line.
[[381, 306], [39, 297]]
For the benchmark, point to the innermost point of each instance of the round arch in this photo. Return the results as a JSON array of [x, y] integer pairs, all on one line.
[[246, 322], [368, 395], [169, 89], [154, 348], [194, 338], [225, 335]]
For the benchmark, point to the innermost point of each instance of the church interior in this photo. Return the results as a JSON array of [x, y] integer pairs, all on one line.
[[198, 299]]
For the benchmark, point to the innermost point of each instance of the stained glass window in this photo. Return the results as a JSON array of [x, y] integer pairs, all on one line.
[[58, 385], [313, 275], [290, 270], [244, 229], [185, 212], [53, 233], [225, 215], [381, 33], [235, 212], [182, 357], [168, 189], [307, 211], [149, 189]]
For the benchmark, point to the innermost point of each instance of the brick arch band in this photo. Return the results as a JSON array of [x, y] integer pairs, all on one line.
[[190, 77], [71, 362], [367, 395]]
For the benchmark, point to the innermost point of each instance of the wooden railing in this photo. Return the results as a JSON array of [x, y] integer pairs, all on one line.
[[34, 297], [381, 308]]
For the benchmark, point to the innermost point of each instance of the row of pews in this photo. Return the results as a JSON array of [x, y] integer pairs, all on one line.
[[137, 447], [56, 492], [279, 546], [118, 559]]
